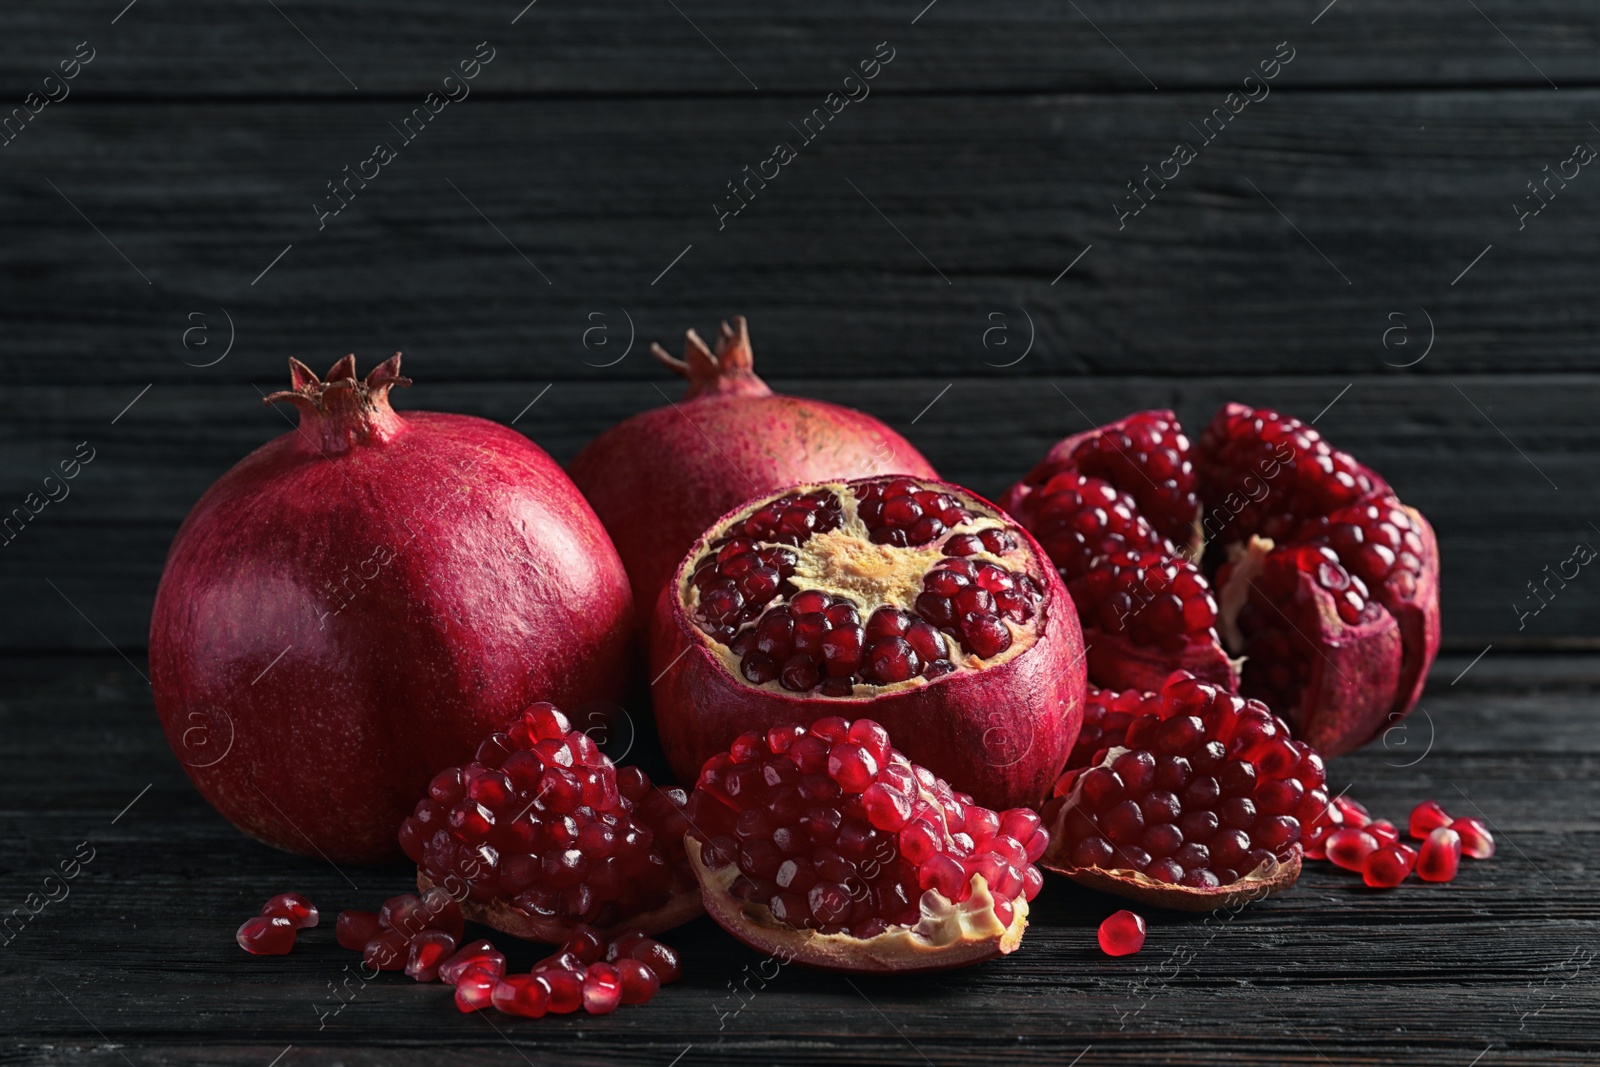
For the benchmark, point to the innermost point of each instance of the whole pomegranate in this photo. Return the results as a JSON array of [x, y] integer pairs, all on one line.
[[658, 479], [912, 601], [360, 600], [1261, 545]]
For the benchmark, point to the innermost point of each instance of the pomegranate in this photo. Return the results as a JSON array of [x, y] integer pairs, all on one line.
[[825, 846], [1206, 802], [541, 833], [1259, 545], [357, 602], [658, 479], [911, 600]]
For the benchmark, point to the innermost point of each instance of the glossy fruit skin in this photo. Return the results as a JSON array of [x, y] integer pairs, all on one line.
[[357, 602], [1001, 734], [660, 478]]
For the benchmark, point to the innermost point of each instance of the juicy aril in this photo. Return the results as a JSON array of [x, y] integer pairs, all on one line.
[[911, 601], [658, 479], [360, 600], [1261, 544]]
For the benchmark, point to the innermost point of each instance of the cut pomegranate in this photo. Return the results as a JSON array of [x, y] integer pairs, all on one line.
[[1440, 855], [1324, 583], [542, 833], [301, 913], [1426, 818], [828, 846], [1203, 805], [910, 600], [1388, 866], [266, 935], [1476, 840], [1122, 934]]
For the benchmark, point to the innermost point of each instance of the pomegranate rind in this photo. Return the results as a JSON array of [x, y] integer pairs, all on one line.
[[1001, 733], [1116, 662], [956, 936], [1272, 876], [508, 919]]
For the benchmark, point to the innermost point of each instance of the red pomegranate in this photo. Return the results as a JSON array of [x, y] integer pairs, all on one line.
[[360, 600], [1261, 545], [658, 479], [910, 600]]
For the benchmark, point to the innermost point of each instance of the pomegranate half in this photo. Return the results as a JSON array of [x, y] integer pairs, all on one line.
[[1261, 546], [360, 600], [659, 478], [910, 601]]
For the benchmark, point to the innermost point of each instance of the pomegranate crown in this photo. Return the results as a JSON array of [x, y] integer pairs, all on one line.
[[728, 372], [344, 409]]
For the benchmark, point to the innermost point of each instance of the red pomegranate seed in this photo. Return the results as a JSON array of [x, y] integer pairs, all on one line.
[[389, 951], [301, 913], [266, 935], [662, 960], [1476, 840], [602, 989], [410, 914], [1122, 933], [639, 983], [479, 954], [428, 950], [1440, 855], [1349, 847], [566, 990], [521, 994], [1426, 818], [1388, 866], [354, 929], [1353, 812], [1384, 831], [475, 988]]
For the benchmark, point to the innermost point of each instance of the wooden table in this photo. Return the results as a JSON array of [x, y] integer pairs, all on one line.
[[958, 252]]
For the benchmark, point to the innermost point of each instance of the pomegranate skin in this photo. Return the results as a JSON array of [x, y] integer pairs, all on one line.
[[1001, 734], [660, 478], [358, 602]]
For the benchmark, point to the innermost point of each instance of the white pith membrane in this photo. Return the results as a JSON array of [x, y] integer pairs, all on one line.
[[1249, 560], [1270, 876], [846, 564]]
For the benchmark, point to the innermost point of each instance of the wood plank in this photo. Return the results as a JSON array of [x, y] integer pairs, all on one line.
[[1424, 974], [715, 46], [104, 544], [612, 202]]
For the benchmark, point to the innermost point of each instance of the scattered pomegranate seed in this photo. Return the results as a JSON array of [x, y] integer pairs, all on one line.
[[1353, 811], [475, 988], [1384, 831], [1122, 933], [566, 990], [639, 982], [301, 913], [521, 994], [428, 950], [1349, 847], [388, 951], [1427, 817], [266, 935], [1388, 866], [602, 989], [355, 928], [1440, 855], [1476, 840], [480, 954]]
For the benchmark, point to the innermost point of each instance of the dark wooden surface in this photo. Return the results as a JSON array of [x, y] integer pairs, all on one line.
[[138, 962], [921, 241]]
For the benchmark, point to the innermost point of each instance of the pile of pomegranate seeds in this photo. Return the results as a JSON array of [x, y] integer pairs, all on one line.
[[272, 932], [410, 933], [544, 820], [1106, 717], [1372, 847], [1122, 934], [975, 589], [1208, 789], [834, 831], [586, 972]]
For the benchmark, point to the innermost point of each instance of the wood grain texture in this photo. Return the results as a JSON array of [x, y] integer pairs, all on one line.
[[241, 48], [141, 956]]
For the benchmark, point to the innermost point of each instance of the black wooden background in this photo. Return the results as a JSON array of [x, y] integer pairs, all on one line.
[[948, 253]]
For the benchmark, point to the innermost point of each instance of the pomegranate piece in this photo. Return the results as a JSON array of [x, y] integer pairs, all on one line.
[[266, 935], [1440, 855], [1106, 717], [1426, 818], [354, 929], [521, 994], [301, 913], [1388, 866], [475, 988], [542, 833], [1203, 805], [479, 954], [639, 983], [912, 599], [1384, 831], [1476, 840], [565, 989], [602, 989], [1349, 847], [428, 950], [827, 845], [1122, 934], [1315, 573], [1351, 812]]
